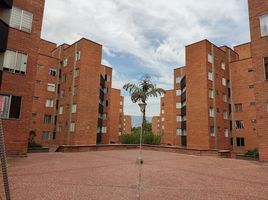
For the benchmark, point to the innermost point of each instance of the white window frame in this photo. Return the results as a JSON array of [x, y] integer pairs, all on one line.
[[224, 81], [15, 62], [178, 105], [211, 94], [49, 103], [178, 79], [72, 127], [65, 62], [178, 92], [226, 133], [210, 58], [210, 76], [223, 66], [225, 115], [104, 129], [178, 118], [61, 108], [52, 71], [264, 25], [74, 108], [77, 55], [163, 119], [51, 87], [22, 20], [178, 132], [211, 112]]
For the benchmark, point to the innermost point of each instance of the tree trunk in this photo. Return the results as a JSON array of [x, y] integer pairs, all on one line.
[[143, 121]]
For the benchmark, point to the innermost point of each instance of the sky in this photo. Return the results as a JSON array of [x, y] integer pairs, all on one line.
[[140, 37]]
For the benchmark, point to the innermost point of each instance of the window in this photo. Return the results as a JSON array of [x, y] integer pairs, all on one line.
[[21, 19], [51, 87], [107, 78], [225, 115], [62, 93], [239, 124], [52, 72], [178, 131], [210, 58], [264, 25], [211, 94], [178, 118], [121, 110], [266, 68], [223, 80], [226, 133], [36, 98], [178, 105], [65, 62], [163, 119], [184, 118], [74, 108], [223, 65], [183, 133], [15, 62], [45, 135], [163, 111], [163, 127], [49, 103], [240, 142], [104, 116], [72, 126], [106, 103], [211, 112], [77, 55], [225, 99], [34, 114], [252, 103], [212, 131], [178, 79], [105, 90], [121, 103], [76, 72], [104, 129], [253, 121], [37, 82], [250, 70], [238, 107], [10, 106], [178, 92], [59, 128], [61, 110], [47, 119], [210, 76], [251, 86]]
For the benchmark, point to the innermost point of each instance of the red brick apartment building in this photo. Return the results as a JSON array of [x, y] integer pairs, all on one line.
[[127, 124], [74, 102], [226, 96], [258, 17], [20, 29], [64, 92]]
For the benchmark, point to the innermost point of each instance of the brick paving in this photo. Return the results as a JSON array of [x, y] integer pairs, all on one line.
[[114, 175]]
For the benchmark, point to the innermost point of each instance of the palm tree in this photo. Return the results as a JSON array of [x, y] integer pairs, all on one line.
[[142, 91]]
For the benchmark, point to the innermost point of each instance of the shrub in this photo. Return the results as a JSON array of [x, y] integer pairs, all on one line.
[[31, 142], [253, 153], [134, 138]]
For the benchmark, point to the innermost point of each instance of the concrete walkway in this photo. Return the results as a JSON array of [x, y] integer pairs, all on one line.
[[114, 175]]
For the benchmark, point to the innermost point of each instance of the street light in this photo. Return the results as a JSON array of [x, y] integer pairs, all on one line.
[[142, 109]]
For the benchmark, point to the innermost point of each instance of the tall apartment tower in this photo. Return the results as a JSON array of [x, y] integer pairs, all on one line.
[[20, 28], [208, 95], [74, 102], [127, 124], [258, 17]]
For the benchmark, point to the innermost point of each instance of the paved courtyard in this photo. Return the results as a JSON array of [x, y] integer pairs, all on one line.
[[115, 175]]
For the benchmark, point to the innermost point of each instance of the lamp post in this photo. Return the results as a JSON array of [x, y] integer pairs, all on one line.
[[142, 109]]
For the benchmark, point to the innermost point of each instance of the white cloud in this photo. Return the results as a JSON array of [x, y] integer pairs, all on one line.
[[153, 33]]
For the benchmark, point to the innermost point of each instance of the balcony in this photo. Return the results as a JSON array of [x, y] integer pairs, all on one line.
[[184, 141], [183, 82], [102, 81], [99, 122], [183, 97], [6, 3], [183, 110], [4, 28], [183, 125], [101, 94], [100, 108]]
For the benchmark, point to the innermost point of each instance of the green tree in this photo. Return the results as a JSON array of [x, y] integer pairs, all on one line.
[[142, 91]]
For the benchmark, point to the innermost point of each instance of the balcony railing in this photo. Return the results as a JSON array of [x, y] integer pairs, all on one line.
[[183, 111], [102, 81], [183, 82], [3, 35], [183, 125], [6, 3], [183, 97]]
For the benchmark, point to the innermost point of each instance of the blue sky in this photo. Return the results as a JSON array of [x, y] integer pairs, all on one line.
[[140, 37]]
